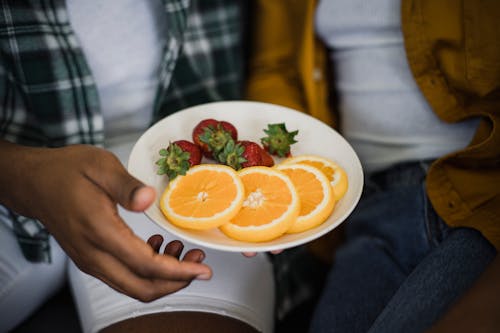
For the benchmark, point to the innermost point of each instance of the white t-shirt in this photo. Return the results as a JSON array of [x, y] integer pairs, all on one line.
[[123, 42], [383, 114]]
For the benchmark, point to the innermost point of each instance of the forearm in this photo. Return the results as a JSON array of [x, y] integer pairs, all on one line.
[[478, 310]]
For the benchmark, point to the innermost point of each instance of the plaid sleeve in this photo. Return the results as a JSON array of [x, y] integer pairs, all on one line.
[[32, 237], [47, 92], [209, 64], [47, 95]]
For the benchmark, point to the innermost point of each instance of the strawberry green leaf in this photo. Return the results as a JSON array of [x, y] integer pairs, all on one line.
[[278, 139], [174, 162]]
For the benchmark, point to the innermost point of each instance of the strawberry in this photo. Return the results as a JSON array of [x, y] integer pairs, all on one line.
[[227, 126], [179, 156], [267, 160], [212, 135], [242, 154], [278, 140], [198, 131]]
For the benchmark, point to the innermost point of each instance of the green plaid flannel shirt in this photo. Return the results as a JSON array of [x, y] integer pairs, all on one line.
[[48, 96]]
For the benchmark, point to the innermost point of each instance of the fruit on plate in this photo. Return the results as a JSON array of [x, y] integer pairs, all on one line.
[[244, 154], [212, 136], [278, 140], [177, 158], [241, 193], [270, 207], [335, 173], [208, 196], [315, 192]]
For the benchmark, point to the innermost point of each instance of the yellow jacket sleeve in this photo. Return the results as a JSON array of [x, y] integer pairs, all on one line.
[[287, 65], [454, 55]]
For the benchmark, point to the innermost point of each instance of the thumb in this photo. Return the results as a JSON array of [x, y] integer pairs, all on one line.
[[121, 186], [129, 192], [142, 198]]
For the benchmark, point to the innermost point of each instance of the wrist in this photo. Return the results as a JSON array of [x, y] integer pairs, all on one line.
[[16, 170]]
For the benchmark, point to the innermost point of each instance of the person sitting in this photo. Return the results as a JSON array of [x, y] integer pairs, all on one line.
[[415, 86], [80, 81]]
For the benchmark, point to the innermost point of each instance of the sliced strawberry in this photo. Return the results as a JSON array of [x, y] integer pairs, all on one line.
[[178, 158], [212, 135], [278, 140]]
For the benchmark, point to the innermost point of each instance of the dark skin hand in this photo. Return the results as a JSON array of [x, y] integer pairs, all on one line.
[[74, 191]]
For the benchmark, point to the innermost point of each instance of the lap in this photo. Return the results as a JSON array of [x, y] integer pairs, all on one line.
[[394, 243], [437, 281], [241, 288]]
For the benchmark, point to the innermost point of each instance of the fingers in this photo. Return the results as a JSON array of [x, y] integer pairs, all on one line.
[[194, 255], [122, 278], [253, 254], [175, 248], [155, 242], [140, 257], [111, 235]]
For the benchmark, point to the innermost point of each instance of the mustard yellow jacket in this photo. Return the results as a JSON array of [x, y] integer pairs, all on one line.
[[453, 49]]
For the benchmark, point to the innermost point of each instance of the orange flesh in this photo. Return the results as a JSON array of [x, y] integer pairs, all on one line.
[[275, 200], [326, 170], [308, 187], [203, 196]]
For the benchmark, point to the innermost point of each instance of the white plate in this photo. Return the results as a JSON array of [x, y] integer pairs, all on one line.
[[250, 118]]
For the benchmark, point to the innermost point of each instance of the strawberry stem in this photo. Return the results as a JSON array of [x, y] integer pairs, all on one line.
[[174, 161], [232, 155]]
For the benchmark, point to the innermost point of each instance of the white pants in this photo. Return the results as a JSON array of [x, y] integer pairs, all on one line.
[[241, 288]]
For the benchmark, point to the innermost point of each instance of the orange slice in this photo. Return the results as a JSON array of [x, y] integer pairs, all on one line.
[[315, 192], [270, 207], [207, 196], [335, 173]]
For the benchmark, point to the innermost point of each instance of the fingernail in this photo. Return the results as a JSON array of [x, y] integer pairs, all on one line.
[[204, 276]]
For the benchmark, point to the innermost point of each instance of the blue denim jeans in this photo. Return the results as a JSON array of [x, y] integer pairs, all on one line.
[[401, 266]]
